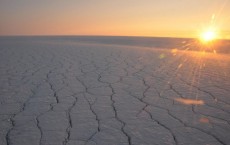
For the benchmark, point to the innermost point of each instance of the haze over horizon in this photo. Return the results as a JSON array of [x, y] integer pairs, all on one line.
[[165, 18]]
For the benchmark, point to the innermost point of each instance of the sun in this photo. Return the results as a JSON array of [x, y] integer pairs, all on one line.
[[208, 35]]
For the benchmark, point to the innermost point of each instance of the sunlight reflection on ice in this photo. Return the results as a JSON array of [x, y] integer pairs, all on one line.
[[189, 101], [174, 51], [162, 56], [204, 120]]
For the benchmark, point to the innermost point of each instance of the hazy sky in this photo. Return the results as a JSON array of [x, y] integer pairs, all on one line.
[[180, 18]]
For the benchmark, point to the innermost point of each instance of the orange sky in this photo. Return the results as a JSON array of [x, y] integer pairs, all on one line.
[[165, 18]]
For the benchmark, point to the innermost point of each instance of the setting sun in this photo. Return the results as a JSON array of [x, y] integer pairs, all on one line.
[[208, 36]]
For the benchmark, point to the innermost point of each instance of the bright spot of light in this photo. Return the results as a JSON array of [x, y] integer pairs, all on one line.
[[189, 101], [208, 35], [174, 51], [204, 120], [162, 56]]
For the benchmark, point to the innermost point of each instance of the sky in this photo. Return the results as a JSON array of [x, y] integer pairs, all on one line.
[[164, 18]]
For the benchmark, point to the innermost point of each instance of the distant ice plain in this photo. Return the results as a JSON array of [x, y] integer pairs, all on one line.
[[75, 90]]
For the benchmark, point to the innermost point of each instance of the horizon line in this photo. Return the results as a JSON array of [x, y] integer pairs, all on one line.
[[68, 35], [60, 35]]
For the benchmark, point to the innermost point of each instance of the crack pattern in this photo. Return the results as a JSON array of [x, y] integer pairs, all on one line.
[[70, 93]]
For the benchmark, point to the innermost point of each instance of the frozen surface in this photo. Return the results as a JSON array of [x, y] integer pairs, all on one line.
[[79, 91]]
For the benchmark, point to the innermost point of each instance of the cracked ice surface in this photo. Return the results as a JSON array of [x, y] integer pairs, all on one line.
[[72, 93]]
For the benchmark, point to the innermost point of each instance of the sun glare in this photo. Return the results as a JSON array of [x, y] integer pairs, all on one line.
[[208, 36]]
